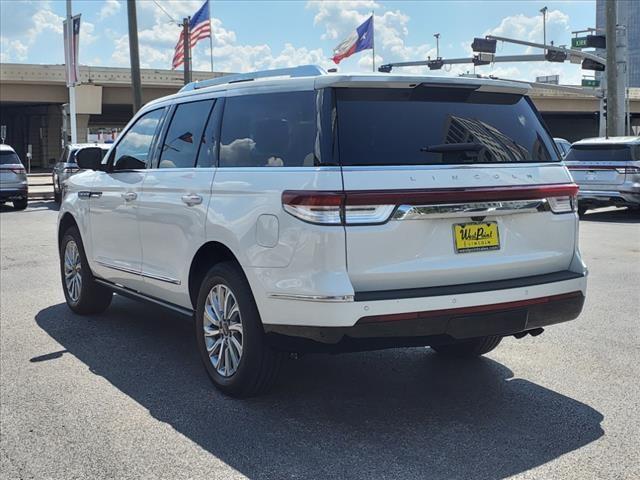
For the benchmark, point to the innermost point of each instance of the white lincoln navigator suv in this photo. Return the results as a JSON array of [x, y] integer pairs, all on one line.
[[295, 211]]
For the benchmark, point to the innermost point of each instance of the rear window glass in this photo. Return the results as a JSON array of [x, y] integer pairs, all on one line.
[[601, 153], [269, 130], [435, 125], [9, 158]]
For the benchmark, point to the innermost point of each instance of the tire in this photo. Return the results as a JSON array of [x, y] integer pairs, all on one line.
[[473, 347], [20, 204], [251, 369], [86, 297]]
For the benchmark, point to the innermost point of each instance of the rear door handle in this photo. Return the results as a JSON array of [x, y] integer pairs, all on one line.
[[192, 199], [129, 196]]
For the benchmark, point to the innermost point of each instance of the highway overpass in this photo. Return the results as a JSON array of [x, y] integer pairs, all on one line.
[[32, 99]]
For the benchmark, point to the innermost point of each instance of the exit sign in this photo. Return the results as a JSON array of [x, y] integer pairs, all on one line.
[[579, 42], [590, 82]]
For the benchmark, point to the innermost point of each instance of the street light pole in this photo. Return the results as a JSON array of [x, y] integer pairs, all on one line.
[[134, 55], [72, 88], [613, 121], [543, 11], [437, 35]]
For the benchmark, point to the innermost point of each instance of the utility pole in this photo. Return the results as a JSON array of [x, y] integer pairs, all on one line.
[[543, 11], [186, 46], [613, 127], [72, 88], [134, 55]]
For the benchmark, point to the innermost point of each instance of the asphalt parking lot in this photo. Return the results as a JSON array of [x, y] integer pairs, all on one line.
[[123, 394]]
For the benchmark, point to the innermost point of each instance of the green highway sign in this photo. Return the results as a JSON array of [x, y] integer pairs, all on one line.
[[579, 42], [590, 82]]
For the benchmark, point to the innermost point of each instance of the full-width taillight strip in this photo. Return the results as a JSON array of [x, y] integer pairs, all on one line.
[[376, 206]]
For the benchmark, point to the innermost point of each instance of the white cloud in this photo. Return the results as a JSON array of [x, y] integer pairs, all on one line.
[[109, 9], [530, 28]]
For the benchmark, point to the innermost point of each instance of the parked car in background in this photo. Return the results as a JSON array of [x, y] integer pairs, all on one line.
[[607, 171], [442, 217], [68, 166], [563, 145], [14, 186]]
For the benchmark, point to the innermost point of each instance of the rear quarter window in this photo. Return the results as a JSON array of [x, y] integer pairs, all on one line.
[[268, 130]]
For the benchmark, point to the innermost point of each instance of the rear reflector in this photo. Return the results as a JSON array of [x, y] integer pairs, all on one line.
[[372, 207], [492, 308]]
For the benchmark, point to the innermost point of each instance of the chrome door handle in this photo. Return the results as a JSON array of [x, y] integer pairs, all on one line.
[[129, 196], [192, 199]]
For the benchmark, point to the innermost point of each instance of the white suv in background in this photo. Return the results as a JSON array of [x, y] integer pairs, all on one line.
[[295, 211]]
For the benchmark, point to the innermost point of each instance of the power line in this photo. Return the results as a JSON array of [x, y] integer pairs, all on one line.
[[166, 13]]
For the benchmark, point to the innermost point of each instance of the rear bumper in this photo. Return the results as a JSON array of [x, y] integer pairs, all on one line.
[[13, 194], [623, 195], [430, 327], [371, 324]]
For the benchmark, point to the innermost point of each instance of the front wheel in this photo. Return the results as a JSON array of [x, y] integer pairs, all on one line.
[[473, 347], [83, 294], [230, 335], [20, 204]]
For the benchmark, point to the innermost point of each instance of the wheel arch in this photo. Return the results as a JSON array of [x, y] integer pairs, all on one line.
[[209, 254], [67, 221]]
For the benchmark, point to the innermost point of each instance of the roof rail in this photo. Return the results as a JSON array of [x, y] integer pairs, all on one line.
[[291, 72]]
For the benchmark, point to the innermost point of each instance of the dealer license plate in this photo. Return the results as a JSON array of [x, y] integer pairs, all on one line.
[[476, 237]]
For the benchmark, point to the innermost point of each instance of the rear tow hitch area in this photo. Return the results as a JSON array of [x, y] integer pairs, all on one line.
[[533, 332]]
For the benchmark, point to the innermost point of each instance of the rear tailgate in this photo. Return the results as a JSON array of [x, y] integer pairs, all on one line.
[[604, 164], [454, 215]]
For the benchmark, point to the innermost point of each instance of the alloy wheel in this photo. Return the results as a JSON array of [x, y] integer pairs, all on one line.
[[222, 323], [72, 271]]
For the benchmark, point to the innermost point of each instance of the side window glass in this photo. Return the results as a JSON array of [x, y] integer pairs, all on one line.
[[184, 135], [210, 139], [269, 130], [134, 149]]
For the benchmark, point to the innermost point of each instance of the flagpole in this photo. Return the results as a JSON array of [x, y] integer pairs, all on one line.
[[373, 45], [211, 36]]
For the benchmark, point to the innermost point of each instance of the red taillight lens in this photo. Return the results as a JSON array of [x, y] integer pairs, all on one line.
[[17, 170], [323, 208], [373, 207], [629, 170], [333, 208]]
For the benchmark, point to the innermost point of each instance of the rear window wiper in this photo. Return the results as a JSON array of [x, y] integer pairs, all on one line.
[[453, 147]]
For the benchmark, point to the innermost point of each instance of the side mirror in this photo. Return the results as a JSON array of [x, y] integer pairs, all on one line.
[[89, 158]]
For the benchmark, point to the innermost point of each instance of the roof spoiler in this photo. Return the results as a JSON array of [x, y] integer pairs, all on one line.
[[293, 72]]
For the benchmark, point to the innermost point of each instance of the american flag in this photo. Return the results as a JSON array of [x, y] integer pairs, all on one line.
[[199, 28]]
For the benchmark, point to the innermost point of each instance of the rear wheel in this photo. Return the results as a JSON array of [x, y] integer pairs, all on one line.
[[230, 336], [83, 294], [472, 347]]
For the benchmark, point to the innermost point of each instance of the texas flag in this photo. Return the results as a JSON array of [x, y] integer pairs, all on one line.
[[361, 39]]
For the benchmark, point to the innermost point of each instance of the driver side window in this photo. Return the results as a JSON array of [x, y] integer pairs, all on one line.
[[134, 150]]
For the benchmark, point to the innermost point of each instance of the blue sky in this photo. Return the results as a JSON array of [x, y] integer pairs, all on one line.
[[266, 34]]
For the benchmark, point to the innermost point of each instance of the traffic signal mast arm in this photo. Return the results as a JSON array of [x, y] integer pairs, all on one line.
[[568, 51], [478, 59]]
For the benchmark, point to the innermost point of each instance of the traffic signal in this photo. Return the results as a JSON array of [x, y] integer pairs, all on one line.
[[435, 64], [385, 68], [604, 107], [483, 59], [596, 41], [588, 64], [555, 56], [484, 45]]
